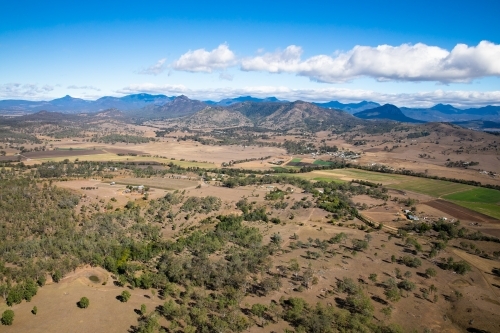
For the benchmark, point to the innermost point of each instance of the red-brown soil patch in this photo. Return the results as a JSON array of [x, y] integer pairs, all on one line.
[[460, 212]]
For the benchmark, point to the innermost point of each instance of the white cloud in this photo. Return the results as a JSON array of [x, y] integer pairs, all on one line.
[[18, 90], [287, 60], [406, 62], [83, 87], [419, 99], [155, 69], [202, 60]]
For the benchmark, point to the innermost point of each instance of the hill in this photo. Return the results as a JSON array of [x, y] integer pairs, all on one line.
[[216, 117], [68, 104], [241, 99], [179, 106], [386, 112], [448, 113], [301, 114], [349, 107]]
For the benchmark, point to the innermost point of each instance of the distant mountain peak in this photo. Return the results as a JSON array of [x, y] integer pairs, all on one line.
[[445, 108], [386, 112]]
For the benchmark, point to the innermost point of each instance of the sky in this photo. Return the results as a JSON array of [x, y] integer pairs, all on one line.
[[407, 53]]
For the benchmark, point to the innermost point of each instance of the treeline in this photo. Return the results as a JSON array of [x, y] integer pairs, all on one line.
[[417, 135], [123, 138], [233, 162], [12, 137], [460, 164]]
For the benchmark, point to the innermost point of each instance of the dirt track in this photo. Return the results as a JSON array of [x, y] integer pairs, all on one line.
[[460, 212]]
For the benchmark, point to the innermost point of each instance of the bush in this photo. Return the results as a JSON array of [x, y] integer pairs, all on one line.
[[8, 317], [430, 272], [83, 303], [411, 261], [125, 296]]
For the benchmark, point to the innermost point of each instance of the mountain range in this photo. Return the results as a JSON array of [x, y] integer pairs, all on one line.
[[386, 112], [161, 106]]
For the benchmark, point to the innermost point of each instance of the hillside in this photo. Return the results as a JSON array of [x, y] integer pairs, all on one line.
[[448, 113], [179, 106], [349, 107], [216, 117], [302, 114], [386, 112]]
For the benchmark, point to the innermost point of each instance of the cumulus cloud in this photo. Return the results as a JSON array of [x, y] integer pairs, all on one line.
[[18, 90], [83, 87], [205, 61], [420, 99], [405, 62], [155, 69]]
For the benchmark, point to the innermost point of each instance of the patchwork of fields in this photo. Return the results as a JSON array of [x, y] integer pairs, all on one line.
[[482, 200]]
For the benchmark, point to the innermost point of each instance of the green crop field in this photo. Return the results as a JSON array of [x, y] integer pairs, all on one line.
[[321, 162], [326, 179], [483, 200], [376, 177], [485, 208], [484, 195], [296, 160], [432, 187]]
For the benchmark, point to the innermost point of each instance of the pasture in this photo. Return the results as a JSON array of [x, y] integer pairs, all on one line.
[[173, 183]]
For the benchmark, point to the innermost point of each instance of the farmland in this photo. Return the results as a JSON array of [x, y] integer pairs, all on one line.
[[161, 183], [236, 247]]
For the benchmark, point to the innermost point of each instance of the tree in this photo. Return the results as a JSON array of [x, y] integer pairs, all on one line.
[[35, 310], [259, 310], [57, 276], [143, 309], [276, 240], [125, 296], [430, 272], [392, 294], [83, 303], [294, 267], [373, 277], [360, 303], [368, 237], [387, 311], [8, 317]]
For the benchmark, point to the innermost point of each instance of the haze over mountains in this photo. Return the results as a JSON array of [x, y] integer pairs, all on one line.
[[255, 109]]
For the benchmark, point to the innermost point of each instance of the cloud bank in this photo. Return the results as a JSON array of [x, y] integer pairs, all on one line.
[[406, 62], [205, 61], [419, 99], [18, 90]]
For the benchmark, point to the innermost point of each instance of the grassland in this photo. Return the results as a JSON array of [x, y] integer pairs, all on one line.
[[114, 157], [162, 183]]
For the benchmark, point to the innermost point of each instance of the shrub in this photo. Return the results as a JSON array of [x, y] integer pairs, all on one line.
[[125, 296], [430, 272], [83, 303], [8, 317]]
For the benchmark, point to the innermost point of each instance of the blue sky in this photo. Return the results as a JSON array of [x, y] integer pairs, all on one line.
[[400, 52]]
